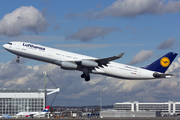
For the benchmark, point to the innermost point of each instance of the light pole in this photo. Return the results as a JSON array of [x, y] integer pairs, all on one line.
[[39, 104], [101, 101], [44, 72]]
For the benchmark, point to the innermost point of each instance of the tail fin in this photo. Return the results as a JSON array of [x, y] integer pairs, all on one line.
[[162, 64], [46, 109]]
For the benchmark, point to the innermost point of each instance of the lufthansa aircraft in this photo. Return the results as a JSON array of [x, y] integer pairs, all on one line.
[[86, 64]]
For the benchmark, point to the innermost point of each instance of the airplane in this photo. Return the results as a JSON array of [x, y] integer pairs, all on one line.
[[33, 114], [104, 66], [5, 116]]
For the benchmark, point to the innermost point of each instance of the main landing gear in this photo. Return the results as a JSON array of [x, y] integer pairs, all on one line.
[[86, 77], [17, 59], [85, 74]]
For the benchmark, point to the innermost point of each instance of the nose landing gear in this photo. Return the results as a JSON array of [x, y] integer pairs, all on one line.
[[17, 59]]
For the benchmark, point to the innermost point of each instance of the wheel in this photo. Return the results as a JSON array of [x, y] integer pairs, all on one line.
[[83, 75], [87, 78], [17, 60]]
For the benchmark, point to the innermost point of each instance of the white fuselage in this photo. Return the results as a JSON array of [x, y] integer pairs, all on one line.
[[51, 55], [35, 114]]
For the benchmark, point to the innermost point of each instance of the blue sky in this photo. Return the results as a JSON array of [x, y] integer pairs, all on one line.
[[144, 30]]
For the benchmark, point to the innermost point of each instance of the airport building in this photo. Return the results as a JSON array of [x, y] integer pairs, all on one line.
[[170, 107], [13, 101], [136, 109]]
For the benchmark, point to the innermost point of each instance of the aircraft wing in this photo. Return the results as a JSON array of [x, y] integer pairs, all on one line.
[[97, 62], [105, 61], [88, 62]]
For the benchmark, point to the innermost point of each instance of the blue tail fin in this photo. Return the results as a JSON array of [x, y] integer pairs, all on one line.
[[162, 64]]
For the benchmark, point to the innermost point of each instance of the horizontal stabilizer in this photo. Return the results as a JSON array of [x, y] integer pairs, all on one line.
[[158, 75]]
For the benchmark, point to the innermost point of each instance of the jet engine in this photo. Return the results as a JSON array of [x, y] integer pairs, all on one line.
[[68, 65], [89, 63]]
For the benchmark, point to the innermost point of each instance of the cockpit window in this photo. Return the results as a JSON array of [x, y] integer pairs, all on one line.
[[10, 43]]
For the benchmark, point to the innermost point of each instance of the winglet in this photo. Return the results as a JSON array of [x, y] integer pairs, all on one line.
[[120, 55], [115, 57]]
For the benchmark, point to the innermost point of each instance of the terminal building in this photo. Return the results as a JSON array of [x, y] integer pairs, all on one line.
[[13, 101], [170, 107], [136, 109]]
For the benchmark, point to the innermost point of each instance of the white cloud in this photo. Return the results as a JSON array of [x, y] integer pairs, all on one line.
[[166, 44], [174, 65], [75, 91], [131, 8], [142, 56], [25, 18], [33, 38], [89, 33], [167, 85], [85, 46]]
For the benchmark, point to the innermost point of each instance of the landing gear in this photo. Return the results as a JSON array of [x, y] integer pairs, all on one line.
[[86, 77], [85, 74], [17, 59]]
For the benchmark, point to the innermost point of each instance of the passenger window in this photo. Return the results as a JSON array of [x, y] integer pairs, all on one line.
[[10, 43]]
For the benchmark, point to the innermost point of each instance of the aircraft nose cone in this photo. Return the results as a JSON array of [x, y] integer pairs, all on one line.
[[5, 46]]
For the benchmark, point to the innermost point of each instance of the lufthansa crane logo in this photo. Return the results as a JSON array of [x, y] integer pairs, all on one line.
[[165, 62]]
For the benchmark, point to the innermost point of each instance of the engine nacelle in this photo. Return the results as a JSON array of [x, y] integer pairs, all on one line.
[[68, 65], [89, 63]]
